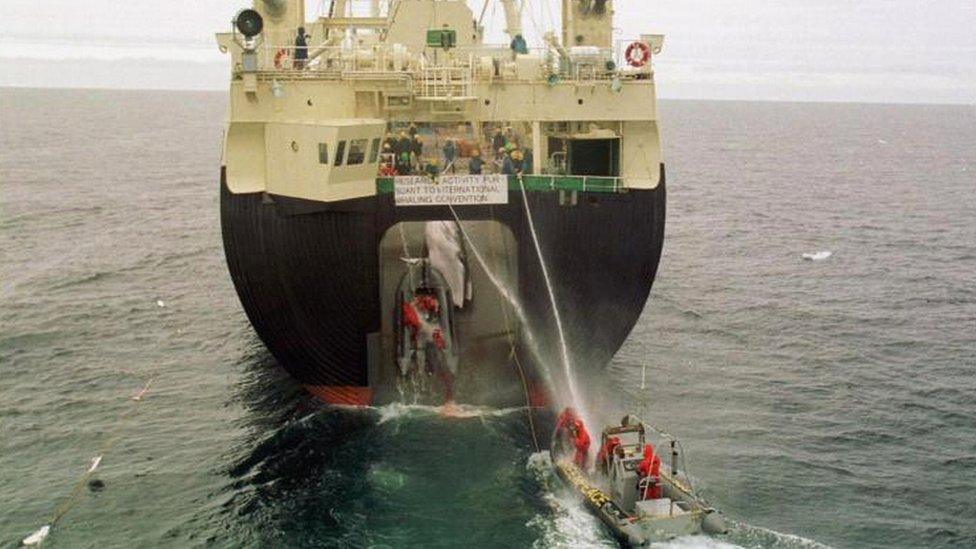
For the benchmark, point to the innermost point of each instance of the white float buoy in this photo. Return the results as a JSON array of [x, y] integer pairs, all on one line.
[[37, 537], [95, 461], [818, 256]]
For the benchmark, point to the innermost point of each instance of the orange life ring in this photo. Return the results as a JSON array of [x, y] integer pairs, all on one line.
[[280, 57], [638, 54]]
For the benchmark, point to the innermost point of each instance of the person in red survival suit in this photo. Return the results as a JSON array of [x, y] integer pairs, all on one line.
[[411, 318], [567, 418], [581, 441], [421, 329], [650, 469], [607, 450], [564, 434]]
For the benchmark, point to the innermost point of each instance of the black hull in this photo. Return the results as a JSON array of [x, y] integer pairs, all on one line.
[[308, 274]]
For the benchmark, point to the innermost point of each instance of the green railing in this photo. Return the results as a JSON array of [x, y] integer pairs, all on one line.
[[542, 183]]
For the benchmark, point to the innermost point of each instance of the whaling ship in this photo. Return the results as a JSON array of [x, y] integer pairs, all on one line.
[[387, 177]]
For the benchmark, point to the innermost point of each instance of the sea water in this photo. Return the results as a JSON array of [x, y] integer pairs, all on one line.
[[828, 401]]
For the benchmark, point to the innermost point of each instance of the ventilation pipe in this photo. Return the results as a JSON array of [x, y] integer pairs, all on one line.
[[513, 25]]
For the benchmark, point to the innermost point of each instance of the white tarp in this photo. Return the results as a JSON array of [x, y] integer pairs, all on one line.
[[456, 190]]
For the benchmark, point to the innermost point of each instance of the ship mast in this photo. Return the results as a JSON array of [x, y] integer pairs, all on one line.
[[281, 19], [588, 23], [513, 17]]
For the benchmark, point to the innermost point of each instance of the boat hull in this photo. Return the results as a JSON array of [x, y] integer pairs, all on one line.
[[308, 275]]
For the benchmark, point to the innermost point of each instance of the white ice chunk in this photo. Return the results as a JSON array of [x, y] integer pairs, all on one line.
[[818, 256], [37, 537]]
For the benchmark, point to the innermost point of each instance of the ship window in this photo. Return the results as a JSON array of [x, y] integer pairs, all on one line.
[[596, 157], [340, 151], [323, 153], [357, 152], [374, 150]]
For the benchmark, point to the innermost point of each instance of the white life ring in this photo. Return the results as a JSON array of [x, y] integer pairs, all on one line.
[[281, 58]]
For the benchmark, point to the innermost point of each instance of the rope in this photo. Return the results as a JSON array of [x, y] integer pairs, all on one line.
[[72, 499], [115, 436], [484, 9], [564, 350], [407, 255], [513, 355]]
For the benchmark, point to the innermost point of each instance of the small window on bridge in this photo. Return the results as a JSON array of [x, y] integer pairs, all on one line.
[[374, 151], [357, 152], [340, 151], [323, 153]]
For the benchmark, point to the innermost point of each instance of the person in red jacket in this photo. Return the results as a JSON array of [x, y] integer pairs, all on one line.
[[581, 441], [565, 420], [564, 431], [650, 469]]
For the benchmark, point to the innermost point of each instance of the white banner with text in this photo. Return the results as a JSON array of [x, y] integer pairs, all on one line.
[[455, 190]]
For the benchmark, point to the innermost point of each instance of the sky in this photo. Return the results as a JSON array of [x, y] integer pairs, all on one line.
[[917, 51]]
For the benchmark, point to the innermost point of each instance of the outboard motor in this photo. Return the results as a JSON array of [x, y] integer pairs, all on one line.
[[426, 343]]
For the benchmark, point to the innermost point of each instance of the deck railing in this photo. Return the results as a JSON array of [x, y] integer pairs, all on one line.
[[453, 74]]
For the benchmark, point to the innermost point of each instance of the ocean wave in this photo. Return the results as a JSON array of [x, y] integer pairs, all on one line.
[[567, 523]]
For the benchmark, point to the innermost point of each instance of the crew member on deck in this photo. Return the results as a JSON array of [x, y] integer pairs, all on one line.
[[517, 162], [497, 140], [476, 164], [301, 49], [417, 148], [390, 141], [527, 162], [450, 155], [649, 475], [402, 149]]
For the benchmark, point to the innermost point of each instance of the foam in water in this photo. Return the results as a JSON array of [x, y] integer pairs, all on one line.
[[756, 536], [398, 410], [568, 524]]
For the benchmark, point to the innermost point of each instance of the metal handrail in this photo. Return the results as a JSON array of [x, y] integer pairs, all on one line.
[[384, 60]]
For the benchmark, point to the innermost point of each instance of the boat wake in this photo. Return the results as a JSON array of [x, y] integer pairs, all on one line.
[[747, 535], [567, 523]]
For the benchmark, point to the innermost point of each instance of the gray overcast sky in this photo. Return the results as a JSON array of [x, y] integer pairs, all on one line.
[[832, 50]]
